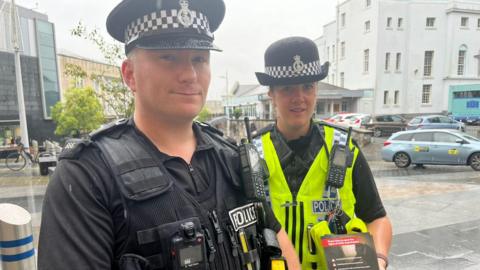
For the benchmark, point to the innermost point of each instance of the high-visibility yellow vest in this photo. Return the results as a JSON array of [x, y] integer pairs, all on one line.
[[310, 205]]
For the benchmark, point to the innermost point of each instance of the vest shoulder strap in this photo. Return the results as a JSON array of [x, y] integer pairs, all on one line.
[[139, 174], [264, 130]]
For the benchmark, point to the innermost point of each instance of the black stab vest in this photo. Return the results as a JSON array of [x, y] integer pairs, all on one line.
[[155, 206]]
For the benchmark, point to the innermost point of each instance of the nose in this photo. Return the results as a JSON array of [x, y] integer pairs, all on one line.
[[296, 93], [187, 72]]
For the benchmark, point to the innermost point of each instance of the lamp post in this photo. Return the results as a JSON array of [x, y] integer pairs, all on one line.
[[227, 109]]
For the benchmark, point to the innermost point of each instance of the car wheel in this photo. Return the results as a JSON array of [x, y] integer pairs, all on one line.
[[377, 132], [475, 161], [401, 159]]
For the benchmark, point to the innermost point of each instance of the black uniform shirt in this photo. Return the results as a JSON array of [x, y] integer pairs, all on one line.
[[302, 152], [84, 225]]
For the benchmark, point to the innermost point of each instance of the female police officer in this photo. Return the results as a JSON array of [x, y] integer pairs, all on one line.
[[154, 191], [297, 152]]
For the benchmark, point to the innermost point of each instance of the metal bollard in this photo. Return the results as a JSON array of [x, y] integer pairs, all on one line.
[[16, 239]]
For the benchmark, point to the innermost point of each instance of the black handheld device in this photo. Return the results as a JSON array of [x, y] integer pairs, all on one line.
[[340, 159], [188, 248], [254, 172]]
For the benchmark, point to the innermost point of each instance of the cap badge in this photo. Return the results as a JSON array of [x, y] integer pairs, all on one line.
[[185, 16], [298, 65]]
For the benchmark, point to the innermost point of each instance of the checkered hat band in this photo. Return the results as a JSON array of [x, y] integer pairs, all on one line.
[[165, 20], [310, 69]]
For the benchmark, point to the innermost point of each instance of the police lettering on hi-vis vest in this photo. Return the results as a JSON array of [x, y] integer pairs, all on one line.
[[319, 183], [158, 190]]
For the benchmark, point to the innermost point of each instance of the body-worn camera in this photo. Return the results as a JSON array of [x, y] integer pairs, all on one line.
[[188, 248]]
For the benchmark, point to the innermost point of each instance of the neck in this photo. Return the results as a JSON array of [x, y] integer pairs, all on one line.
[[292, 133], [170, 136]]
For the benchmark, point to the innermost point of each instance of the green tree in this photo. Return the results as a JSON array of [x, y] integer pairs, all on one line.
[[237, 113], [112, 91], [204, 115], [79, 113]]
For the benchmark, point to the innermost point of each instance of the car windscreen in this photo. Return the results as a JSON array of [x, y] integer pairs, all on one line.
[[403, 137], [471, 138]]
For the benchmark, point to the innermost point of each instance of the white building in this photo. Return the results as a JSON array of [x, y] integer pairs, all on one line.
[[409, 52]]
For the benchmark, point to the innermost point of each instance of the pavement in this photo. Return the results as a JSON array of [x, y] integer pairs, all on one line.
[[433, 210]]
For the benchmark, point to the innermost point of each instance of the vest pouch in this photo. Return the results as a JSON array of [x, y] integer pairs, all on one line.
[[356, 225], [177, 245], [133, 262]]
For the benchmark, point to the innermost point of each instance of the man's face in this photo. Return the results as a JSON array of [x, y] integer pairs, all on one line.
[[168, 84], [294, 105]]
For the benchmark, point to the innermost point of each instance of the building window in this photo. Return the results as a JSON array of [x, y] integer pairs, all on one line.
[[344, 106], [387, 61], [367, 26], [368, 3], [464, 22], [461, 61], [427, 63], [328, 53], [342, 49], [385, 97], [478, 23], [400, 23], [342, 79], [343, 19], [426, 93], [389, 22], [430, 22], [365, 60], [398, 62], [396, 97]]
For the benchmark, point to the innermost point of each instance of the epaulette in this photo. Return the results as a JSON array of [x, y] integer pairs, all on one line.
[[206, 126], [109, 127], [216, 133], [73, 148], [264, 130]]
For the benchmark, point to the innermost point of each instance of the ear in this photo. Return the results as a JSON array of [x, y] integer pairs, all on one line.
[[128, 74]]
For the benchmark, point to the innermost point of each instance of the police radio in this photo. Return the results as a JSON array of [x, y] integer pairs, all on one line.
[[340, 159], [188, 248], [254, 172]]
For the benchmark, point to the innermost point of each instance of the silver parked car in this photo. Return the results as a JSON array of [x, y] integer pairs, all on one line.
[[434, 121], [432, 146]]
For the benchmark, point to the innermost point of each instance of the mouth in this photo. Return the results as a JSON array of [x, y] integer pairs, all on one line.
[[297, 110]]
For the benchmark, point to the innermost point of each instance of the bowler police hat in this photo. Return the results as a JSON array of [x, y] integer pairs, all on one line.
[[166, 24], [292, 60]]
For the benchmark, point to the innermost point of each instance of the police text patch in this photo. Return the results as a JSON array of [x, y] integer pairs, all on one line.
[[325, 206], [243, 216]]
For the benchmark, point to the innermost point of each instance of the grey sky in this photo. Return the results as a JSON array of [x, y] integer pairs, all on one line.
[[247, 30]]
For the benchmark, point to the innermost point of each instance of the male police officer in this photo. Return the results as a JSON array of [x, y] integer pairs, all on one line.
[[303, 183], [155, 191]]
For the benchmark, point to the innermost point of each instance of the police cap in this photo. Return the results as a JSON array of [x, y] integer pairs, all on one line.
[[292, 60], [166, 24]]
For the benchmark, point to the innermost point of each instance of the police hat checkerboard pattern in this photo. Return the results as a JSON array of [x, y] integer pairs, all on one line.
[[159, 24], [292, 60]]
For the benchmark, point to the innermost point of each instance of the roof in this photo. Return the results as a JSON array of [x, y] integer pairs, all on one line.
[[249, 90]]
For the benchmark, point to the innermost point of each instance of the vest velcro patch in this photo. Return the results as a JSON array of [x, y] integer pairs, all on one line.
[[324, 206], [243, 216]]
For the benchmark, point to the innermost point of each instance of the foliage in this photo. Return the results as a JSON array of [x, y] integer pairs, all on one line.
[[112, 91], [237, 113], [204, 115], [80, 113]]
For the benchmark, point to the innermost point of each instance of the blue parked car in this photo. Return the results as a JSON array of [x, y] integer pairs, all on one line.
[[432, 146], [434, 121]]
